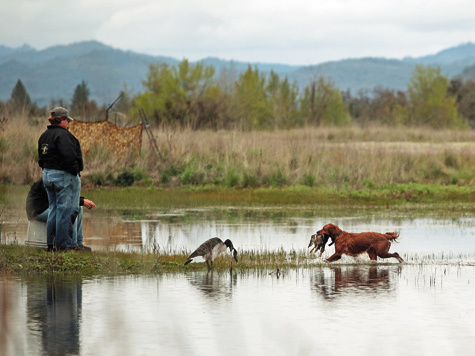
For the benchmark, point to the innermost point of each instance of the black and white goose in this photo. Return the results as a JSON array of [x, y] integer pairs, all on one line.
[[211, 249]]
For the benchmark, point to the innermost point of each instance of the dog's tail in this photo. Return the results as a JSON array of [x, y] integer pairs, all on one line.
[[392, 236]]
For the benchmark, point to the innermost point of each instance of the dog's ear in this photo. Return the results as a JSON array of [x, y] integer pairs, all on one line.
[[333, 230], [338, 230]]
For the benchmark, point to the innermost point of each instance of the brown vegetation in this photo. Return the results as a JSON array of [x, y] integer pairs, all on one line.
[[349, 157]]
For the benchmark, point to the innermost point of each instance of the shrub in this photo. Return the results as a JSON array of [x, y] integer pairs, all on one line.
[[369, 184], [125, 178], [191, 175], [278, 179], [249, 181], [232, 179], [309, 180], [451, 160], [97, 179], [167, 173]]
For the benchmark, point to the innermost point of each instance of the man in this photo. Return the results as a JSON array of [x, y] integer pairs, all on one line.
[[37, 208], [60, 156]]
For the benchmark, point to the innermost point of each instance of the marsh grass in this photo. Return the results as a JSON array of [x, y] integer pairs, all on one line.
[[337, 158], [340, 158], [21, 260], [285, 197]]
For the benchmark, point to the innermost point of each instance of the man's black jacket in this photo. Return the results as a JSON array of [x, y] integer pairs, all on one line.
[[59, 149]]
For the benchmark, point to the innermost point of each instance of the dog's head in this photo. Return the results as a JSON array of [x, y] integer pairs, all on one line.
[[331, 230]]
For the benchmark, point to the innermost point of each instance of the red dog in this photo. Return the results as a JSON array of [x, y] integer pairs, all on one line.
[[354, 244]]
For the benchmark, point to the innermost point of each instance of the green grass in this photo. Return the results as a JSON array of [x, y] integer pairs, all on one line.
[[143, 198], [24, 260], [295, 196]]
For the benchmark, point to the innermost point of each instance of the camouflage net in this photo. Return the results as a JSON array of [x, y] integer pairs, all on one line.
[[121, 141]]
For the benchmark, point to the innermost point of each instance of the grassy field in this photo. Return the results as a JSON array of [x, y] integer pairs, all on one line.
[[350, 158]]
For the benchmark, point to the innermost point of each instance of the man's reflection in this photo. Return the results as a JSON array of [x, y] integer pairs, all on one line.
[[54, 311]]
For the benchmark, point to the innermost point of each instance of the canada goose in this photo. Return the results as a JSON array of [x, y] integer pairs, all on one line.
[[211, 249]]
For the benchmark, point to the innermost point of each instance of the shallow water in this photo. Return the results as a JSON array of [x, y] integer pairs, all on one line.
[[421, 237], [357, 310], [422, 307]]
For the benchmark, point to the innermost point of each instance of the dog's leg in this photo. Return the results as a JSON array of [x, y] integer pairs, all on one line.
[[334, 257], [372, 254], [389, 255]]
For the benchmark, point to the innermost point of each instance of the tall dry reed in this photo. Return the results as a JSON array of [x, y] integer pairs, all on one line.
[[349, 157]]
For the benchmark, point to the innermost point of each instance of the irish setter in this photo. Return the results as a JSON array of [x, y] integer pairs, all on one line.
[[354, 244]]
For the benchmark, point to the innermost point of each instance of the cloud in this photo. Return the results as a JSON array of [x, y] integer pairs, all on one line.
[[293, 32]]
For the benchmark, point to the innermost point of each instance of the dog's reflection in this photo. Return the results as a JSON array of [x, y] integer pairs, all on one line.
[[339, 280], [54, 311]]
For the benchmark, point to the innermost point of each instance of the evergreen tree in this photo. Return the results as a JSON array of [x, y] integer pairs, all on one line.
[[80, 97], [81, 105], [19, 96]]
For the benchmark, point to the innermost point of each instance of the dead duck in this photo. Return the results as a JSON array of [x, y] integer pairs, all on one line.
[[319, 241], [211, 249]]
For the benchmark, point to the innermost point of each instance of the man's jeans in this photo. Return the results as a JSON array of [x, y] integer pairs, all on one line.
[[63, 191], [77, 227]]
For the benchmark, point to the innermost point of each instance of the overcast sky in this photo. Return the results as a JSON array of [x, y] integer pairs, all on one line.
[[297, 32]]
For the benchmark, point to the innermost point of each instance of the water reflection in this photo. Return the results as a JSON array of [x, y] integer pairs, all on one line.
[[350, 280], [309, 311], [54, 314], [214, 285]]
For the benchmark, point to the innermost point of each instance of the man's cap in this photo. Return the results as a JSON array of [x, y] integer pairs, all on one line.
[[61, 112]]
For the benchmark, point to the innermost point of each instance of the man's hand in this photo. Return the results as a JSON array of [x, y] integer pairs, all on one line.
[[89, 204]]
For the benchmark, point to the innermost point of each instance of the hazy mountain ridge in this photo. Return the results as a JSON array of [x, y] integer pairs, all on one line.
[[55, 72], [449, 55]]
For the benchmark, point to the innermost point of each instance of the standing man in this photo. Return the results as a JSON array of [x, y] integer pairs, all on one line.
[[60, 156]]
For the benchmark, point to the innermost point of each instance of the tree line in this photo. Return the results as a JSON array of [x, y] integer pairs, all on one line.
[[197, 97]]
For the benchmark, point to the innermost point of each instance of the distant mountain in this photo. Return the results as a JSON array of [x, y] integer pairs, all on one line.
[[282, 69], [359, 74], [5, 51], [54, 73], [367, 73], [447, 56]]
